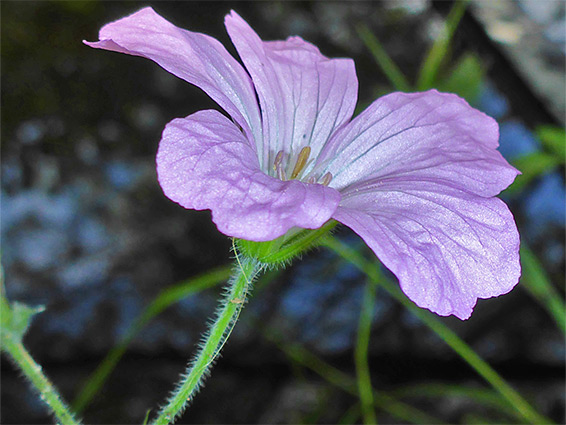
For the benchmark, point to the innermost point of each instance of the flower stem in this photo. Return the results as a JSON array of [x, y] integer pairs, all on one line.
[[365, 390], [33, 372], [226, 316]]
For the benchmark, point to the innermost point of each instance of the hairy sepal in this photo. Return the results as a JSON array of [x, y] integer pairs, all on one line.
[[281, 251]]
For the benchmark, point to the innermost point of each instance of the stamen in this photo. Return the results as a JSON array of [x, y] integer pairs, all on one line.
[[278, 166], [311, 180], [326, 179], [278, 160], [281, 175], [301, 161]]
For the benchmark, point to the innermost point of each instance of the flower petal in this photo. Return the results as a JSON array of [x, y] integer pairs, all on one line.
[[430, 136], [447, 247], [197, 58], [304, 96], [205, 162]]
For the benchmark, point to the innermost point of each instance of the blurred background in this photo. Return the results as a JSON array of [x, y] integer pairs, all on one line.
[[87, 232]]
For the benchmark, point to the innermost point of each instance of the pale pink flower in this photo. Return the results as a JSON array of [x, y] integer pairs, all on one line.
[[415, 175]]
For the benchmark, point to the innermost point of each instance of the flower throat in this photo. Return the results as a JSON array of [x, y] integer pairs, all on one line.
[[300, 165]]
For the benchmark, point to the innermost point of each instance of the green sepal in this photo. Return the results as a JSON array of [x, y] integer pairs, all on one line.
[[282, 250]]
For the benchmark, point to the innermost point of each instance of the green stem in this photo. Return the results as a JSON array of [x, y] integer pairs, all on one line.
[[371, 269], [361, 355], [33, 372], [226, 316]]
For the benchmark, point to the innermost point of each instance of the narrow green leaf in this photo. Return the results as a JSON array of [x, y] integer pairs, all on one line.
[[169, 296], [146, 417], [439, 50], [465, 78], [363, 376], [554, 140], [342, 380], [537, 283], [351, 415], [389, 68], [371, 269], [486, 397], [476, 419]]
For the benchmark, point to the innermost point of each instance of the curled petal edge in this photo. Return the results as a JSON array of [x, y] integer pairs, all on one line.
[[447, 248], [194, 57], [205, 162]]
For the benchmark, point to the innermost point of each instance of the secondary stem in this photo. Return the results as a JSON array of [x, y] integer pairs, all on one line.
[[365, 390], [33, 372], [227, 314]]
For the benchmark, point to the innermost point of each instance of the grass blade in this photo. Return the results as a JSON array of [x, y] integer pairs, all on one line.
[[389, 68], [371, 269], [168, 297]]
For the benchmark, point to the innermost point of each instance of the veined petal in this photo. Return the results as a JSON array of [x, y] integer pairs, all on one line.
[[304, 96], [205, 162], [428, 136], [447, 247], [197, 58]]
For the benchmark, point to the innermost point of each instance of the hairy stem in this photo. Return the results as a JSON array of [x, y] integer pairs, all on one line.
[[226, 316], [32, 371]]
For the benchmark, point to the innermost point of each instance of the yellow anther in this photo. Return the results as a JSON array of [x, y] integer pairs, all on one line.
[[301, 161]]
